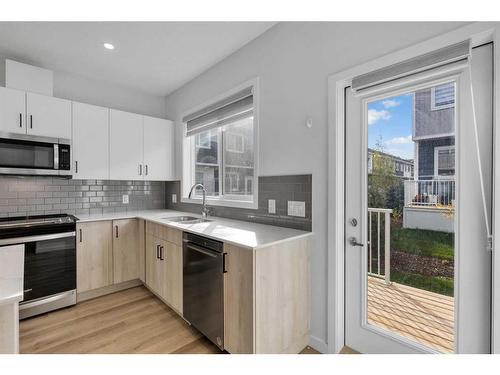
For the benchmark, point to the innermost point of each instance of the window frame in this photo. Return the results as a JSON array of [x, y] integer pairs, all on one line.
[[188, 157], [436, 162], [435, 107]]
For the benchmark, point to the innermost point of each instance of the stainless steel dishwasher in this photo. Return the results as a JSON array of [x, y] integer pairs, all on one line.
[[203, 269]]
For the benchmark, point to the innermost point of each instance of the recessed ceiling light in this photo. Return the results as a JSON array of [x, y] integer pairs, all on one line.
[[109, 46]]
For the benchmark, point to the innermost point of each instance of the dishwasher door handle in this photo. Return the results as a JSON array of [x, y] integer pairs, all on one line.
[[202, 250]]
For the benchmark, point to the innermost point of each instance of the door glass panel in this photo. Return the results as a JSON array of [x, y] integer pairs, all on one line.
[[411, 209]]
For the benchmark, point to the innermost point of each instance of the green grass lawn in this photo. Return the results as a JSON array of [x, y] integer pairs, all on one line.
[[441, 285], [422, 242]]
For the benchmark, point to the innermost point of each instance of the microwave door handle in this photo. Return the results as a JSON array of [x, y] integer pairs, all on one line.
[[56, 156]]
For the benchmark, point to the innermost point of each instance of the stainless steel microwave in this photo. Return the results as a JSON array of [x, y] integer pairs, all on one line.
[[22, 154]]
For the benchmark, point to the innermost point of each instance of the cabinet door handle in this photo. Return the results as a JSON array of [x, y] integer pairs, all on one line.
[[224, 270], [146, 169], [20, 120], [161, 253], [76, 166], [157, 251], [81, 235], [140, 169], [31, 121], [116, 231]]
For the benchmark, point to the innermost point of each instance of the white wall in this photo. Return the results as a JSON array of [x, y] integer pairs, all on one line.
[[293, 61], [82, 89]]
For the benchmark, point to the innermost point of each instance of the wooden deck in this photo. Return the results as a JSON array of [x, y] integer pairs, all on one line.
[[417, 314]]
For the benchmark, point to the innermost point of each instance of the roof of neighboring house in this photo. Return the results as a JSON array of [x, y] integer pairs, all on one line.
[[408, 161]]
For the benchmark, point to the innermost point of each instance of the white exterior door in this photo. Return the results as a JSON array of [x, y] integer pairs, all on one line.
[[90, 141], [125, 146], [388, 313], [157, 149], [48, 116], [12, 110]]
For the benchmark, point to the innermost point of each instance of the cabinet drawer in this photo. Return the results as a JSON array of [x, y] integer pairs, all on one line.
[[164, 232]]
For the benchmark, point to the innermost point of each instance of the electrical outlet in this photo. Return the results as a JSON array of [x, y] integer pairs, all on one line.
[[271, 206], [296, 208], [174, 198], [125, 199]]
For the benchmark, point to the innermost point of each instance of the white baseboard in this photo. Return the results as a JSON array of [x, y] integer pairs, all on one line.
[[318, 344]]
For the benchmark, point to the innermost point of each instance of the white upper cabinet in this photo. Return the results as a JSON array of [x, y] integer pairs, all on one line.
[[157, 149], [90, 141], [12, 111], [125, 146], [48, 116]]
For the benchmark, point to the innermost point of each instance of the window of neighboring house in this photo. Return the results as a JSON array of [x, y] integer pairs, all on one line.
[[235, 142], [202, 140], [443, 96], [222, 156], [444, 161]]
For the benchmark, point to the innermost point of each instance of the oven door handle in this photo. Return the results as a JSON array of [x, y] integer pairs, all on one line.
[[200, 249], [42, 237]]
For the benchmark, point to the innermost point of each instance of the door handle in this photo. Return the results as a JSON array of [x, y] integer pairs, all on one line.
[[157, 251], [140, 169], [31, 121], [76, 166], [146, 166], [20, 120], [116, 230], [161, 253], [81, 236], [354, 242]]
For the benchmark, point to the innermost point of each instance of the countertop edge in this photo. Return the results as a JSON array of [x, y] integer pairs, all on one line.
[[142, 216]]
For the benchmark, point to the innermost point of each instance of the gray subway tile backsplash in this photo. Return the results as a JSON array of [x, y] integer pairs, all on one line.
[[280, 188], [21, 196]]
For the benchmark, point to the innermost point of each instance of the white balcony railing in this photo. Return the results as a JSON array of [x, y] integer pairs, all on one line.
[[430, 193], [375, 227]]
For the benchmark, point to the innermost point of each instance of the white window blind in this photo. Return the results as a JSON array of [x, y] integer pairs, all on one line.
[[450, 54], [233, 108]]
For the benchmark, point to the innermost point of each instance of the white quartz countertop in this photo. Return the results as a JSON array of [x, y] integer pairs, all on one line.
[[11, 290], [11, 274], [236, 232]]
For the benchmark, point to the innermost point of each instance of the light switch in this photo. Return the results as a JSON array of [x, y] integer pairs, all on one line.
[[125, 199], [174, 198], [297, 208], [271, 206]]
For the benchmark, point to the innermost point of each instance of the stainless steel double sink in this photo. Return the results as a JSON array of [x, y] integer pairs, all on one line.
[[186, 219]]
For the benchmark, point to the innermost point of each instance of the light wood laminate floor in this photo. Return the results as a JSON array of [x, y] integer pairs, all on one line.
[[130, 321]]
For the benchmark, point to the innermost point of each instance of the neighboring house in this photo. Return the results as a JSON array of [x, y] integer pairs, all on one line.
[[402, 167], [430, 197], [237, 145]]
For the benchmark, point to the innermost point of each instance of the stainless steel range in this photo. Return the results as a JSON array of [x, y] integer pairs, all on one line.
[[49, 260]]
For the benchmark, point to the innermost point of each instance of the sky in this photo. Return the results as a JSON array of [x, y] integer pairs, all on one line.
[[390, 119]]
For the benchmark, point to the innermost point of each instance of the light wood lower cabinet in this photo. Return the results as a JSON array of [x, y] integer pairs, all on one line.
[[94, 258], [267, 298], [164, 263], [238, 300], [174, 275], [126, 250]]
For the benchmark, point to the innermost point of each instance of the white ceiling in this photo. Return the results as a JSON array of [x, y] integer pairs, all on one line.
[[155, 57]]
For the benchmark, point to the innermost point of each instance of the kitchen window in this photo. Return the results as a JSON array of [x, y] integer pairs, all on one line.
[[443, 96], [219, 151]]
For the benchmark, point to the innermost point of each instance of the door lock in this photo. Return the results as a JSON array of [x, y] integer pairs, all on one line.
[[354, 222], [354, 242]]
